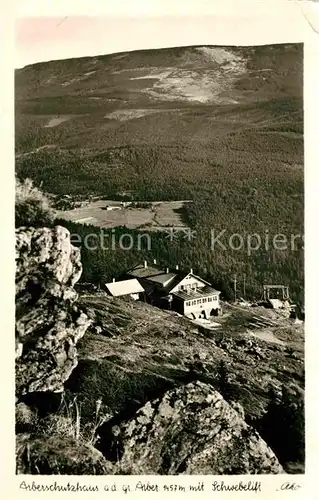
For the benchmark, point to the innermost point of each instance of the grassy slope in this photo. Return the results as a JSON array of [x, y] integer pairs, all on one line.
[[238, 155], [141, 351], [139, 338]]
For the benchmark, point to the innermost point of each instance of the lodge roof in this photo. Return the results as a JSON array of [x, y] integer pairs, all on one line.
[[153, 275], [197, 293], [125, 287]]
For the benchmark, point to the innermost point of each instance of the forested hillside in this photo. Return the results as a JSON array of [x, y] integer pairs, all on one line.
[[222, 126]]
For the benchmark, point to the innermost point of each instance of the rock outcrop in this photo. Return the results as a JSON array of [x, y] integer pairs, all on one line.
[[48, 323], [190, 430]]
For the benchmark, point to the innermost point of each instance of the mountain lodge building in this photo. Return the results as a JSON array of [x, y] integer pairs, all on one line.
[[183, 292]]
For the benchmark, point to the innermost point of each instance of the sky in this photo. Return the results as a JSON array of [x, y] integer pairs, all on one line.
[[42, 38]]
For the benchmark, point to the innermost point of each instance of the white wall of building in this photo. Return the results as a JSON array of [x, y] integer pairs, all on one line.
[[204, 303]]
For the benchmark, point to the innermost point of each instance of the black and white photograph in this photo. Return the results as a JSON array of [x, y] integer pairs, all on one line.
[[159, 232]]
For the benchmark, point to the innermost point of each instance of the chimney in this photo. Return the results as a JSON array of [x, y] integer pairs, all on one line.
[[176, 267], [145, 264], [191, 270], [113, 280], [167, 270], [154, 261]]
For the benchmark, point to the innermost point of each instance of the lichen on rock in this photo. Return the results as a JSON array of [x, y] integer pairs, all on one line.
[[191, 430], [48, 325]]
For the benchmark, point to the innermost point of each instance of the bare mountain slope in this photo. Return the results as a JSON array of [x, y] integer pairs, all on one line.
[[117, 100], [143, 121]]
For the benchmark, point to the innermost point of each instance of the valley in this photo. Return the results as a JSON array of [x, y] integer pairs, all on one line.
[[151, 216]]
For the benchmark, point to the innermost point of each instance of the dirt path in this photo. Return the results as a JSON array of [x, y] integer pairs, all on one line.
[[266, 335], [46, 146]]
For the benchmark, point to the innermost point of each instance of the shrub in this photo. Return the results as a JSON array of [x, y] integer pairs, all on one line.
[[223, 380], [67, 422], [32, 207], [283, 426]]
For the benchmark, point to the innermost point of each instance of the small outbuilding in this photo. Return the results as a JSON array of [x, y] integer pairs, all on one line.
[[125, 288]]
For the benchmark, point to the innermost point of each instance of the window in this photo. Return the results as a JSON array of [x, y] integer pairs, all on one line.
[[205, 300], [209, 299], [215, 297]]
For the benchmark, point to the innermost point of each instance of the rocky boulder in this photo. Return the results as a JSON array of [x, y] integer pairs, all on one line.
[[190, 430], [48, 323]]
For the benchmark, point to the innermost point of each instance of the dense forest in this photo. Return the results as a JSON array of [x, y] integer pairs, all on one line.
[[218, 266], [232, 191]]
